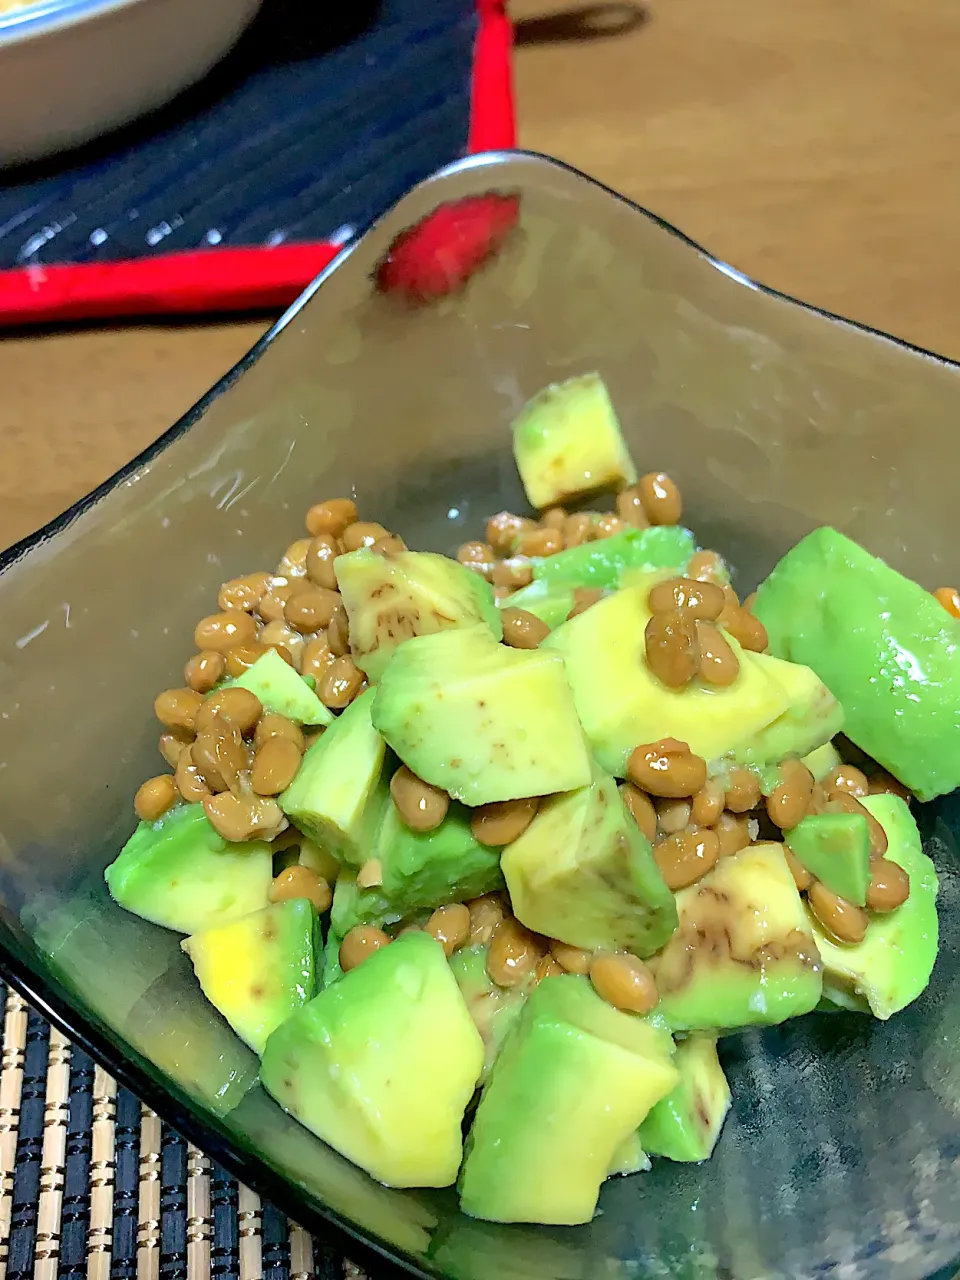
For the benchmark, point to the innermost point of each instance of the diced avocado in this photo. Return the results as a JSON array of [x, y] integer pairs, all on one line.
[[885, 648], [608, 562], [493, 1009], [550, 604], [390, 599], [281, 690], [686, 1124], [822, 760], [334, 798], [744, 951], [381, 1065], [835, 848], [811, 717], [584, 872], [258, 970], [893, 963], [567, 441], [573, 1081], [664, 556], [181, 873], [482, 721], [630, 1157], [419, 869], [755, 720]]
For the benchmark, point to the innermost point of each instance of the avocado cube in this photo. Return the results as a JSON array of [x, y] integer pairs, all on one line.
[[419, 870], [884, 646], [479, 720], [629, 1157], [584, 873], [835, 848], [335, 797], [810, 718], [390, 599], [614, 562], [259, 970], [744, 951], [181, 873], [771, 710], [573, 1081], [567, 441], [282, 690], [686, 1124], [381, 1065], [822, 759], [891, 967]]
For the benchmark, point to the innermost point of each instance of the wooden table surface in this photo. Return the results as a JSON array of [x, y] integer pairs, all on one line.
[[814, 145]]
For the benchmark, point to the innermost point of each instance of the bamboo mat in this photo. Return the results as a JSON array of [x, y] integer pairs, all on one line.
[[92, 1183]]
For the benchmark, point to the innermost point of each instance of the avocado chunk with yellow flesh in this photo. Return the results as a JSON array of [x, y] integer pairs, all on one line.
[[629, 1157], [822, 759], [260, 970], [583, 872], [686, 1124], [481, 721], [744, 951], [884, 646], [336, 798], [835, 849], [769, 712], [282, 690], [567, 441], [573, 1081], [390, 599], [381, 1065], [611, 562], [419, 870], [811, 717], [180, 873], [891, 967], [493, 1009]]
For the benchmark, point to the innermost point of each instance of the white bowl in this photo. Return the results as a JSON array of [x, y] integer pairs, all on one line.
[[71, 69]]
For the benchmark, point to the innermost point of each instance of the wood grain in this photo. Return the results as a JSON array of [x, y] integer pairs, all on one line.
[[812, 145]]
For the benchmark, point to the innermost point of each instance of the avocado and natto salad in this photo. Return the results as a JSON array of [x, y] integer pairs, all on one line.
[[483, 854]]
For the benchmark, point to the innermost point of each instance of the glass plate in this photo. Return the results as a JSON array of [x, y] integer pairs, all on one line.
[[840, 1158]]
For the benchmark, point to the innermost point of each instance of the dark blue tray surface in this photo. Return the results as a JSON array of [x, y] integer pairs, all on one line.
[[320, 118]]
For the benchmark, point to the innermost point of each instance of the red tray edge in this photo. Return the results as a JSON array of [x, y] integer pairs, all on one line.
[[247, 279]]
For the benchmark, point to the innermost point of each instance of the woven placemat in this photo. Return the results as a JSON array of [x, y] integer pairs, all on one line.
[[93, 1184]]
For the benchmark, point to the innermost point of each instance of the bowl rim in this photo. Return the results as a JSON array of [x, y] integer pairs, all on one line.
[[18, 968], [36, 18]]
